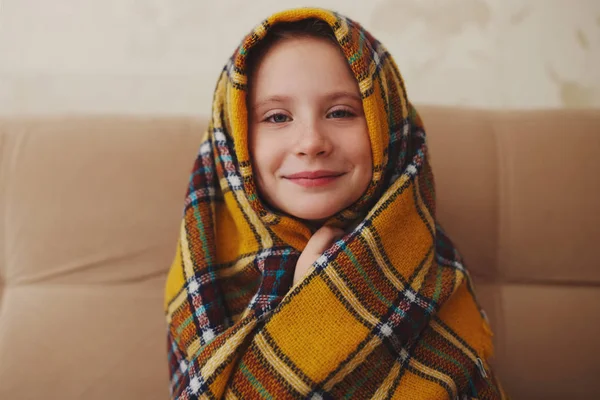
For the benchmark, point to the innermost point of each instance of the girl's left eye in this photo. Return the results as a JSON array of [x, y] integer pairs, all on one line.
[[341, 113], [277, 118]]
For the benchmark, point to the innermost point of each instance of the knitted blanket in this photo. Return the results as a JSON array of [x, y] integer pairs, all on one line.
[[388, 311]]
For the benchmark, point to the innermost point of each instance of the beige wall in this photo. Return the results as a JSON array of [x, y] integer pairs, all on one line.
[[162, 56]]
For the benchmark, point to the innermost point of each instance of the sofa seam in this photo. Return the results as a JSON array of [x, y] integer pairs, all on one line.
[[3, 211]]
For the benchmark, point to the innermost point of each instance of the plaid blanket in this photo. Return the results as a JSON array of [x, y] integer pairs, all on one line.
[[388, 311]]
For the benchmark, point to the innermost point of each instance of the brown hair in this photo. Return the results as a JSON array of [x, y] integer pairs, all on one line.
[[310, 27]]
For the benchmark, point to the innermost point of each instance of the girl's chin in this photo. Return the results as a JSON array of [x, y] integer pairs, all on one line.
[[313, 216], [317, 207]]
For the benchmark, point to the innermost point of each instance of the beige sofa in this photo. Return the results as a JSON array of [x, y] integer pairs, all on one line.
[[90, 206]]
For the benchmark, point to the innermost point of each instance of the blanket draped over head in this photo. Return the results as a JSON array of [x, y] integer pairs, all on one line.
[[388, 311]]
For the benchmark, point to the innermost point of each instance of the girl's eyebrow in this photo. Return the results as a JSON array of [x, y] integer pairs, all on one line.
[[278, 99], [343, 95], [271, 99]]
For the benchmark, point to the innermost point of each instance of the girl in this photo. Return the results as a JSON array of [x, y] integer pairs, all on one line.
[[310, 263]]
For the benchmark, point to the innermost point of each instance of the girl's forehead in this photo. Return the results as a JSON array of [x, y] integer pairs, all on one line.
[[299, 64]]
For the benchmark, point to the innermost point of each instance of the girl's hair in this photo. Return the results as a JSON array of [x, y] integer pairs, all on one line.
[[311, 28]]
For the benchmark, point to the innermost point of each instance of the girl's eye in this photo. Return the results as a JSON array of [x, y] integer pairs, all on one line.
[[341, 113], [278, 118]]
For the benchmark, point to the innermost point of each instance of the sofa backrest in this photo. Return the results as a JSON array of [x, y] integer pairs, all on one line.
[[90, 209]]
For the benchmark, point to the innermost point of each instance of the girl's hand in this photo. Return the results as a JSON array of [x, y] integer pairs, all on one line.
[[320, 241]]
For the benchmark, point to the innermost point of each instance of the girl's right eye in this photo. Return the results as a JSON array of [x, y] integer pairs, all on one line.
[[277, 118]]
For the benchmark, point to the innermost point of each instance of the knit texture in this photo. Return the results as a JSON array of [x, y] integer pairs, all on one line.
[[388, 311]]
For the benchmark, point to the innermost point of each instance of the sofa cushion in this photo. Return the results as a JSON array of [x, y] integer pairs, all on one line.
[[91, 217]]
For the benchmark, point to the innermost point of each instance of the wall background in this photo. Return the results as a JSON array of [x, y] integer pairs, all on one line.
[[160, 56]]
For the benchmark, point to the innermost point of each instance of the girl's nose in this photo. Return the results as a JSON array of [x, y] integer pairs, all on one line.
[[313, 141]]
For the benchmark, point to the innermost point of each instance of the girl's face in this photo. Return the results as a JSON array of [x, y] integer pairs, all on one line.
[[309, 139]]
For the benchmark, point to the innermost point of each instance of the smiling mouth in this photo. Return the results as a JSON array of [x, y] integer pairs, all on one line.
[[314, 178]]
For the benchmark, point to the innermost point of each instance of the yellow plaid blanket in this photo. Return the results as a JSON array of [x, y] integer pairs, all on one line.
[[388, 311]]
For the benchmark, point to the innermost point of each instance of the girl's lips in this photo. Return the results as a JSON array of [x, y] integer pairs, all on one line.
[[313, 174], [314, 182], [314, 178]]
